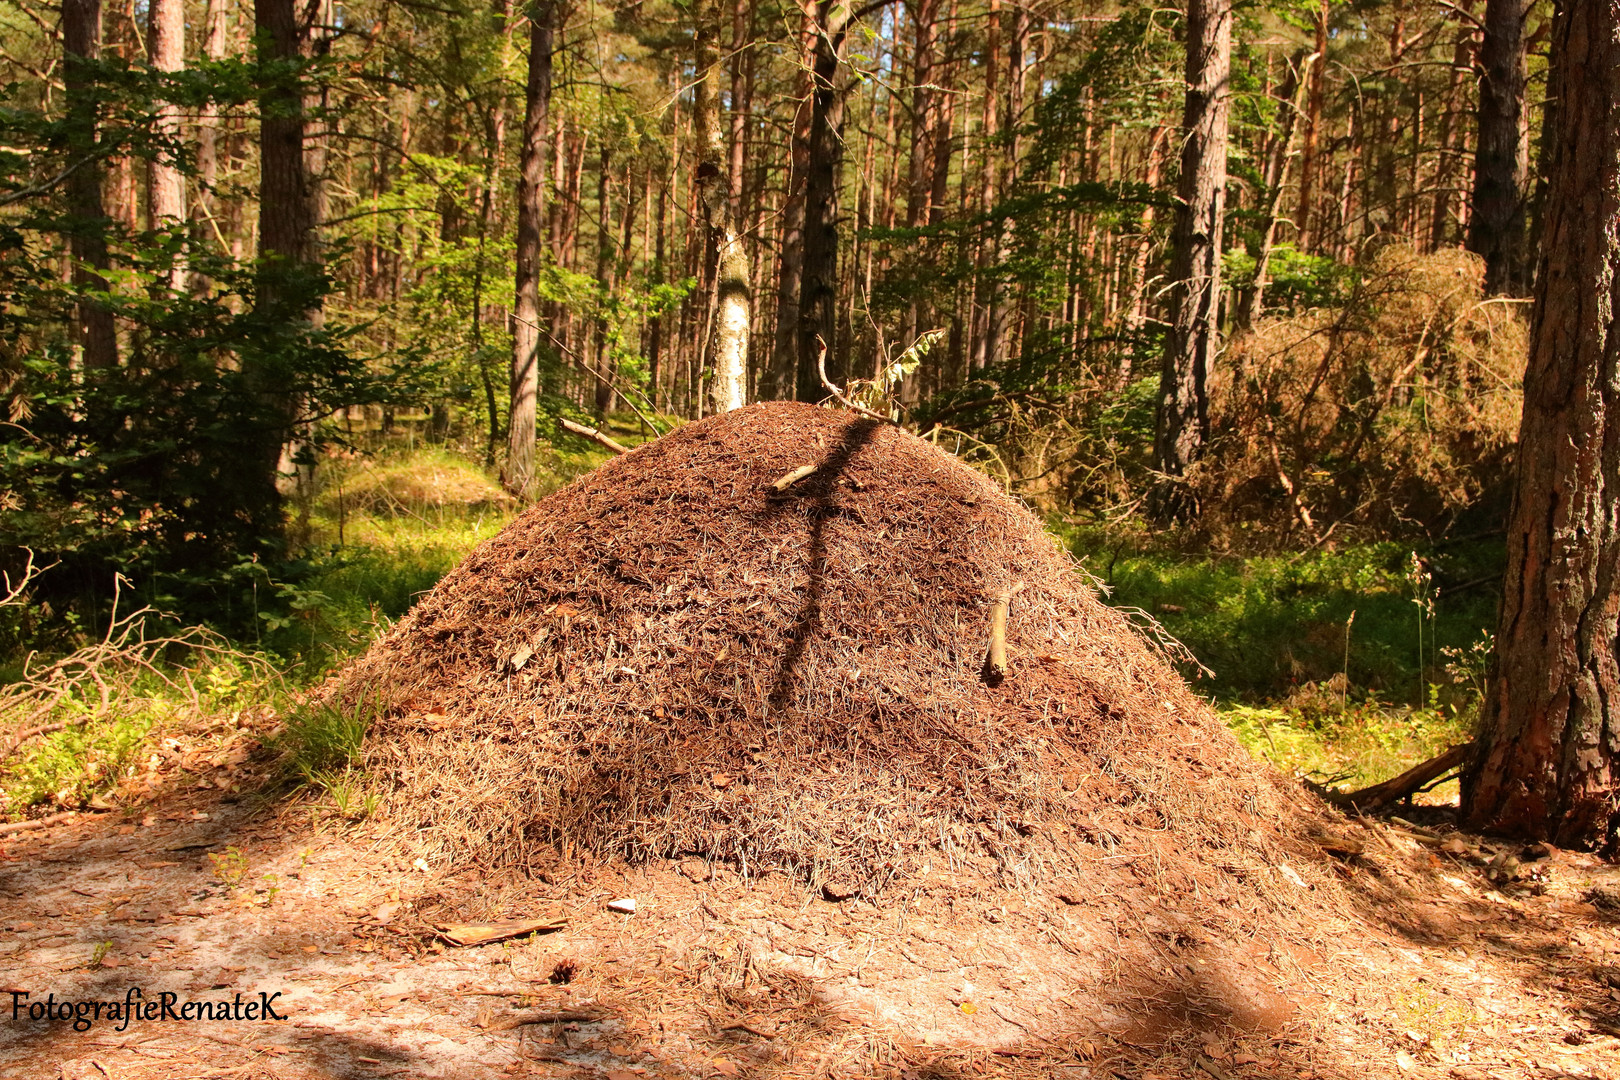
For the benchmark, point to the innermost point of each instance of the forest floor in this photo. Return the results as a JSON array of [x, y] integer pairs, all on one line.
[[218, 882], [213, 878]]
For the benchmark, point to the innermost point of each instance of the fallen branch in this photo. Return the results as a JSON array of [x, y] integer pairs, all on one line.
[[821, 366], [1380, 795], [995, 664], [793, 477], [594, 433], [566, 1016], [38, 823]]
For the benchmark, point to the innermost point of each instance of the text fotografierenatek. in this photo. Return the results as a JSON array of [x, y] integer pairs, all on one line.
[[136, 1005]]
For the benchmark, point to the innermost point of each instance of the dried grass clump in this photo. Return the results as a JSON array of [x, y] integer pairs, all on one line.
[[671, 657], [1399, 408]]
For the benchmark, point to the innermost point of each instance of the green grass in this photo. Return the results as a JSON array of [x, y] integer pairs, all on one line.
[[1270, 625]]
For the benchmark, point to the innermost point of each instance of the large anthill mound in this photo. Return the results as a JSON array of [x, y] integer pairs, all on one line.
[[673, 657]]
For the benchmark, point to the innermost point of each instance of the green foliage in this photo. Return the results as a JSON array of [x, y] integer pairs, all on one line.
[[1268, 625], [230, 866], [321, 740], [70, 766]]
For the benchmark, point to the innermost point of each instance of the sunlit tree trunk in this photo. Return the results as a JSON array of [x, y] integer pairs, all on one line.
[[166, 190], [1548, 754], [531, 209], [81, 47], [818, 298], [1501, 162], [1309, 163], [728, 344], [1195, 269]]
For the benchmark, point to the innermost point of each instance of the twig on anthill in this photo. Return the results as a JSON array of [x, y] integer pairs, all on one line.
[[821, 366]]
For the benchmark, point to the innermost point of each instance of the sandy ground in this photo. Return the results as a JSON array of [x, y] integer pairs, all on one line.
[[200, 888]]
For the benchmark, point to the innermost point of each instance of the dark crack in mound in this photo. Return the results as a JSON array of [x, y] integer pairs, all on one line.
[[669, 657]]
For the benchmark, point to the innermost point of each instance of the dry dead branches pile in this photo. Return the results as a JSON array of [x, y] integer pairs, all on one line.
[[682, 654]]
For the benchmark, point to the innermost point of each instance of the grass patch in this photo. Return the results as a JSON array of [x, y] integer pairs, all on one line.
[[1270, 625]]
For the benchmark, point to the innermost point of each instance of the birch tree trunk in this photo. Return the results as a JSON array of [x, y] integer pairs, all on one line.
[[728, 346]]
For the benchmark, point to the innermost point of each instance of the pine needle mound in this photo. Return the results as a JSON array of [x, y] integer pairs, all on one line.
[[671, 657]]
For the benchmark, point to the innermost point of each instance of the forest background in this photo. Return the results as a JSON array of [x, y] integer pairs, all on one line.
[[278, 277]]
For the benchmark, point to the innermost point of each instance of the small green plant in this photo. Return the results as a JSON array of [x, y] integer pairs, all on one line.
[[323, 739], [272, 888], [230, 866], [99, 953]]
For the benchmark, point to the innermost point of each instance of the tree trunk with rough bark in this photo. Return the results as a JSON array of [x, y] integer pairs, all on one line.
[[524, 384], [778, 378], [728, 344], [165, 187], [1502, 158], [818, 297], [1195, 268], [81, 46], [1548, 758]]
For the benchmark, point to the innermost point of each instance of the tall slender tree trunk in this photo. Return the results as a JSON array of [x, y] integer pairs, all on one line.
[[818, 302], [524, 384], [287, 241], [1278, 149], [1445, 171], [997, 309], [211, 139], [778, 379], [1309, 165], [1195, 271], [165, 187], [1548, 759], [1501, 162], [728, 345], [96, 335]]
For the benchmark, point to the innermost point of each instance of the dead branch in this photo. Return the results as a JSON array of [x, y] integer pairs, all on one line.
[[13, 590], [995, 664], [1380, 795], [594, 433], [821, 366], [793, 477], [38, 823]]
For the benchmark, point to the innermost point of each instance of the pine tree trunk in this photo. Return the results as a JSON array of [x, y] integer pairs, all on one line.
[[524, 384], [166, 190], [1195, 270], [1309, 166], [1501, 162], [778, 379], [818, 303], [81, 45], [1548, 763]]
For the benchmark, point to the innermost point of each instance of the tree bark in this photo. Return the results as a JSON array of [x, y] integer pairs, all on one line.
[[1314, 103], [81, 46], [1195, 270], [166, 189], [778, 379], [1279, 145], [728, 345], [818, 298], [1501, 161], [1548, 764], [524, 384]]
